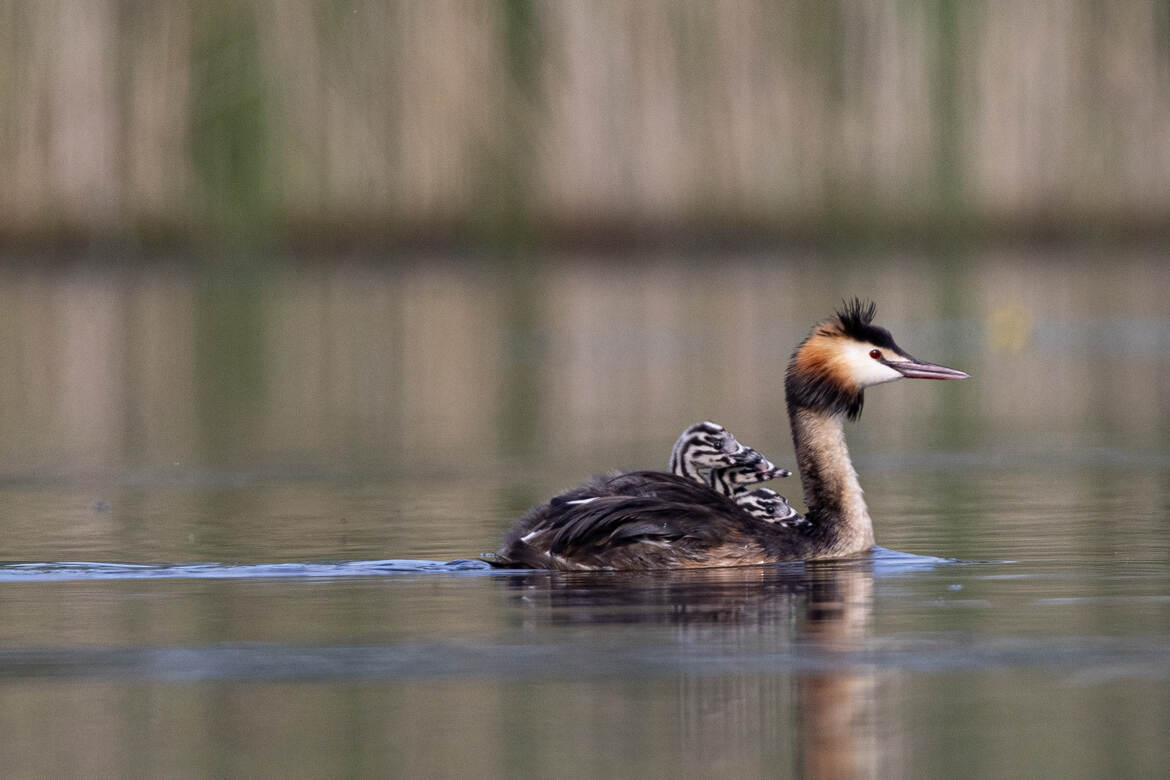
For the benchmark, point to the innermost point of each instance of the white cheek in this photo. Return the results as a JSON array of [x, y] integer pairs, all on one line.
[[865, 370]]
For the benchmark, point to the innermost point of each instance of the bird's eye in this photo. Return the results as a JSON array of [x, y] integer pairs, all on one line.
[[876, 354]]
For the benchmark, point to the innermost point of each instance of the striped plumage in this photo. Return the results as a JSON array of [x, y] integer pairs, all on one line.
[[733, 481], [769, 506], [707, 452], [706, 446], [701, 450]]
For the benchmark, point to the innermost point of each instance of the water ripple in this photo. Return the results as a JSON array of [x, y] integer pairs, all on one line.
[[63, 571], [1088, 660], [882, 561]]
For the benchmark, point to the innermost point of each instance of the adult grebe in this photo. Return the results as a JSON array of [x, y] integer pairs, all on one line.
[[655, 520]]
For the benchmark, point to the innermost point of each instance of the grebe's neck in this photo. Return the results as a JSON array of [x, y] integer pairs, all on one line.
[[831, 489]]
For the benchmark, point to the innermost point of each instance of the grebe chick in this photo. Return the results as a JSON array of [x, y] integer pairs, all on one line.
[[706, 446], [654, 520], [771, 507], [700, 450], [709, 453], [733, 481], [762, 503]]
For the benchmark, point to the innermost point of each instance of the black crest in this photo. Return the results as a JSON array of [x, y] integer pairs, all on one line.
[[856, 314], [856, 320]]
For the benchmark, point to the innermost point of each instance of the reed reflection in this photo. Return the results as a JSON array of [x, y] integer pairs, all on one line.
[[417, 364], [766, 656]]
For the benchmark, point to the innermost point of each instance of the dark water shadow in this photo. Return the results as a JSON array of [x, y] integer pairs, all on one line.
[[756, 595]]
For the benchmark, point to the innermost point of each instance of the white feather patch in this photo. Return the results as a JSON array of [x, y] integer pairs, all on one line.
[[863, 369]]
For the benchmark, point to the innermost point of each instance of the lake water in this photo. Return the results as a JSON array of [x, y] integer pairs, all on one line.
[[241, 509]]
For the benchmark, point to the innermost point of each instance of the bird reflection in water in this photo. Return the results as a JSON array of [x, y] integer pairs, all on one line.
[[766, 658], [836, 707]]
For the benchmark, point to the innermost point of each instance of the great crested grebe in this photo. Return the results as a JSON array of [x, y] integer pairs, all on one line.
[[655, 520]]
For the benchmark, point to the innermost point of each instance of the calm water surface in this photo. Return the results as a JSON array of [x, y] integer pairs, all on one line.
[[217, 564]]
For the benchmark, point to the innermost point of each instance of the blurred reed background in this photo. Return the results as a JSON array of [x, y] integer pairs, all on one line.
[[569, 228], [461, 121]]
